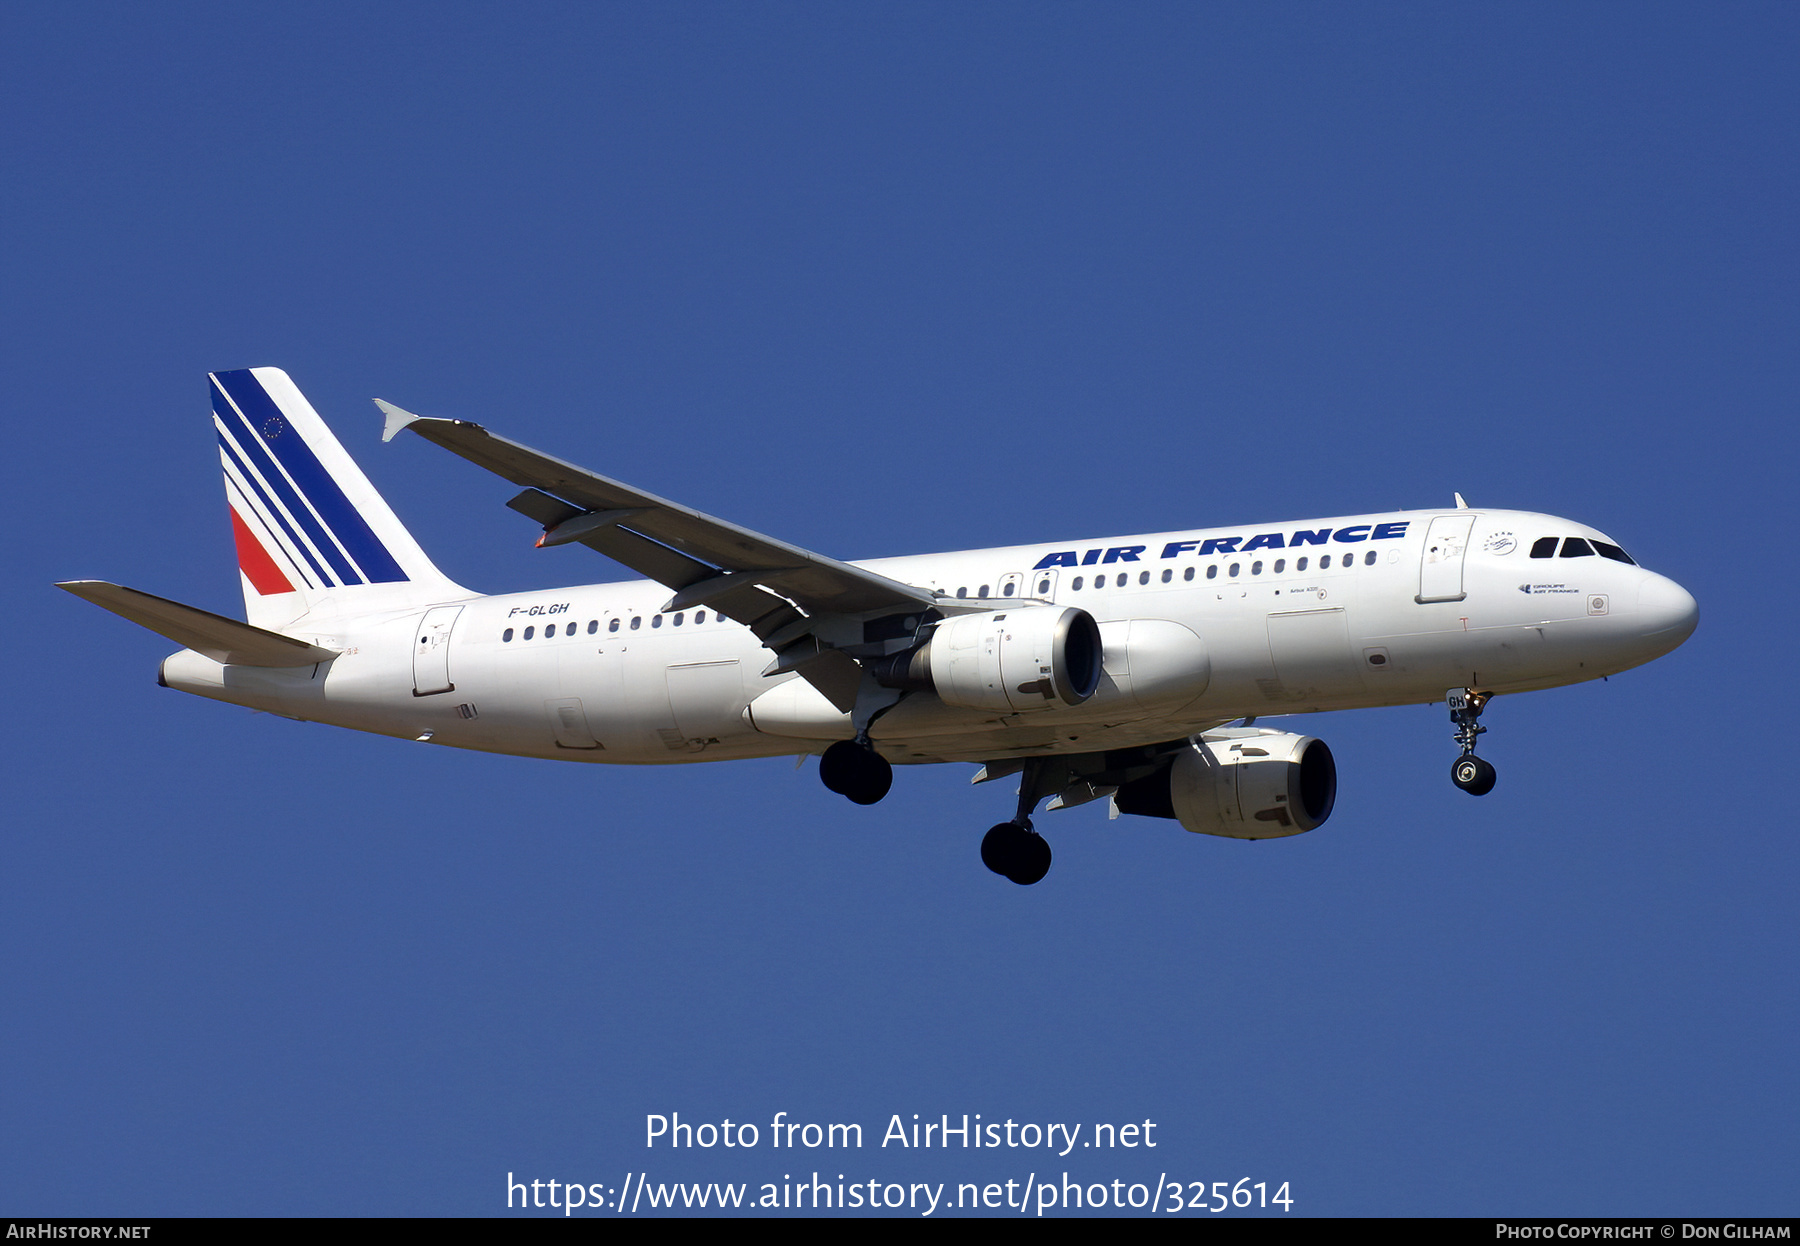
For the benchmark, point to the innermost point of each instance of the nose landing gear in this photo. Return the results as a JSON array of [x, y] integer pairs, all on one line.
[[1469, 772]]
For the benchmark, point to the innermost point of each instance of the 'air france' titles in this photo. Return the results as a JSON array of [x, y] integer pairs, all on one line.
[[1208, 546]]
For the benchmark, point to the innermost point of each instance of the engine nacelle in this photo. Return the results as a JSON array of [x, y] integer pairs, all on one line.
[[1010, 661], [1245, 783]]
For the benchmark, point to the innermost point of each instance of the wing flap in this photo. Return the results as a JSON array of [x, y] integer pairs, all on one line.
[[219, 638]]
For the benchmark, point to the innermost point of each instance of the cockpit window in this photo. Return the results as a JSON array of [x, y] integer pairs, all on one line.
[[1579, 547]]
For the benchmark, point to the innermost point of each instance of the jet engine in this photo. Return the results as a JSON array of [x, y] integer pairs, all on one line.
[[1004, 661], [1244, 783]]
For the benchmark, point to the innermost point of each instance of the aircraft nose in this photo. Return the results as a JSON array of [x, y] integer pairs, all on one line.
[[1667, 612]]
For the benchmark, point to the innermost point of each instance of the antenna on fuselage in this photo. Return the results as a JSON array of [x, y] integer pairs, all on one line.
[[1460, 504]]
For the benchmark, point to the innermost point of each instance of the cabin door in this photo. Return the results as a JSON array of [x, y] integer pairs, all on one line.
[[431, 651], [1441, 562]]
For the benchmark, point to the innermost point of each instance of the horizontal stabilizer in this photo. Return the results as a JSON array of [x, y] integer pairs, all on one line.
[[219, 638]]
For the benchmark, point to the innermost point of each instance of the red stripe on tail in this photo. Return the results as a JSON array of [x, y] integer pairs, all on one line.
[[254, 561]]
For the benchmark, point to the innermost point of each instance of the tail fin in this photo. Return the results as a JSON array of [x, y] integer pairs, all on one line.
[[309, 526]]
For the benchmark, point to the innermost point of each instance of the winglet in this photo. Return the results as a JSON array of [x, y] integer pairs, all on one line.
[[396, 419]]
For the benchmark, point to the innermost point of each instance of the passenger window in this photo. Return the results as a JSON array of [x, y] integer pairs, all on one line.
[[1325, 563], [656, 620], [1256, 567], [983, 592], [1043, 588], [1212, 572], [678, 619], [550, 631], [1575, 547], [1168, 575], [1613, 552], [1123, 579], [1544, 547], [699, 616], [613, 626], [1301, 565], [635, 620], [1234, 570], [529, 631], [963, 591], [1143, 577], [1369, 559], [1077, 584], [1280, 565], [593, 626], [1007, 591], [1188, 574], [507, 634]]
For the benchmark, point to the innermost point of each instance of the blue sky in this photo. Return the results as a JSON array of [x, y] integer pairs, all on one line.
[[882, 280]]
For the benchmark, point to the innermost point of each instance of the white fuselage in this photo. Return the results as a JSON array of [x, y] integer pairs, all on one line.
[[1198, 630]]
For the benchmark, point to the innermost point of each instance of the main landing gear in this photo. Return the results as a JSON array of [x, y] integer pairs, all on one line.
[[1013, 849], [854, 769], [1469, 772]]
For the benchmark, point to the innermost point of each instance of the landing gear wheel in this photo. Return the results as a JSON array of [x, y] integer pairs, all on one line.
[[1016, 853], [1033, 861], [1473, 775], [1000, 846], [850, 769]]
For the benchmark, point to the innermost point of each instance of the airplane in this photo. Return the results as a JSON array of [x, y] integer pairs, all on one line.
[[1110, 669]]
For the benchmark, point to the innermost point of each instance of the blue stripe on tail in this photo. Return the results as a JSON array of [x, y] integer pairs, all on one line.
[[293, 544], [250, 449], [344, 521]]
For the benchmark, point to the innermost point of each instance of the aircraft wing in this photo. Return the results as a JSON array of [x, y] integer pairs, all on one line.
[[744, 575]]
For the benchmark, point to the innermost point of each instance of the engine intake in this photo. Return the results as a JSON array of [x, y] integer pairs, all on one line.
[[1242, 783], [1006, 661]]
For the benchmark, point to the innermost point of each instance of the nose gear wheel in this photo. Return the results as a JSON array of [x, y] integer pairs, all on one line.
[[1469, 772], [1473, 775]]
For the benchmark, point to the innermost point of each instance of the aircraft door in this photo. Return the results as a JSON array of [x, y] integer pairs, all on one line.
[[1010, 584], [1043, 584], [1441, 562], [431, 651]]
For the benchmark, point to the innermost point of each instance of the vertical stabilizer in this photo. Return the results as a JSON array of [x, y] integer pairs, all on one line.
[[312, 534]]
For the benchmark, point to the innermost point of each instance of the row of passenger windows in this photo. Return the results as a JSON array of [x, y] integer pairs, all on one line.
[[637, 621], [1232, 571], [1578, 547]]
